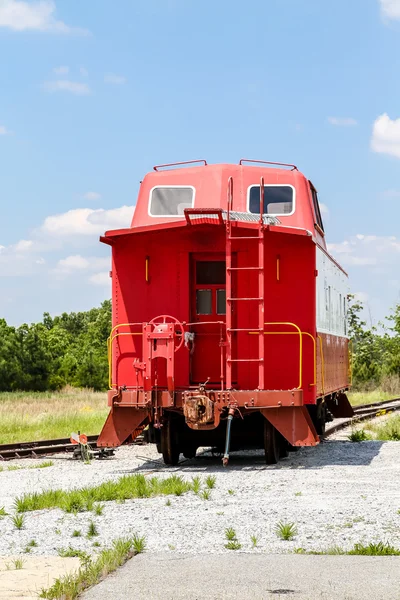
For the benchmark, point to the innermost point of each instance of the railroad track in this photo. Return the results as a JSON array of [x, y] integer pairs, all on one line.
[[45, 447], [363, 412]]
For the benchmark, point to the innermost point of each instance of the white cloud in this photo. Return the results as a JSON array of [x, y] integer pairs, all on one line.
[[386, 136], [61, 70], [390, 9], [73, 263], [3, 130], [391, 193], [87, 221], [39, 15], [64, 85], [368, 250], [23, 245], [77, 263], [92, 196], [102, 278], [114, 79], [342, 121]]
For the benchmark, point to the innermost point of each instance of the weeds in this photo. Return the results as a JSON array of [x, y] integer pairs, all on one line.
[[254, 541], [92, 530], [206, 494], [29, 546], [96, 544], [389, 431], [373, 549], [168, 502], [233, 545], [74, 553], [232, 541], [196, 483], [230, 534], [359, 435], [231, 492], [43, 465], [76, 533], [210, 481], [98, 509], [19, 521], [125, 488], [298, 494], [3, 512], [18, 563], [138, 544], [286, 531], [70, 586]]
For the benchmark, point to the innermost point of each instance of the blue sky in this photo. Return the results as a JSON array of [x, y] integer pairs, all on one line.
[[94, 93]]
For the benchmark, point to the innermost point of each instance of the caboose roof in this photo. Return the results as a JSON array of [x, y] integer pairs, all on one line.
[[206, 187]]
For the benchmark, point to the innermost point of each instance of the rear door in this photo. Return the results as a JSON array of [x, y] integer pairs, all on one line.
[[208, 310]]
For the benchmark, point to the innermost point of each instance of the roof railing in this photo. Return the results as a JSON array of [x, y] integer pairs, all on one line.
[[267, 162], [186, 162]]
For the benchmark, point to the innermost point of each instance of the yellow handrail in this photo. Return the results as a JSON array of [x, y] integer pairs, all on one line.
[[110, 340], [322, 365], [299, 332], [350, 361], [294, 333]]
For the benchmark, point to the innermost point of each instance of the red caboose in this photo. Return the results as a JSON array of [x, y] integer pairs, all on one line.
[[229, 315]]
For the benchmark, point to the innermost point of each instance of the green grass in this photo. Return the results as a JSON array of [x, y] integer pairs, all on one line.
[[138, 544], [233, 545], [285, 531], [373, 549], [210, 481], [18, 563], [29, 416], [70, 586], [92, 530], [206, 494], [254, 541], [378, 395], [3, 512], [359, 435], [230, 534], [76, 533], [196, 483], [98, 509], [74, 553], [388, 431], [125, 488], [19, 521]]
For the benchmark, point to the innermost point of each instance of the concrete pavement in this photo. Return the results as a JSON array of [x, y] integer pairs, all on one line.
[[173, 576]]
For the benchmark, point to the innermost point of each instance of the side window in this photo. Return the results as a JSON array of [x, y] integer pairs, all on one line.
[[170, 201], [316, 207]]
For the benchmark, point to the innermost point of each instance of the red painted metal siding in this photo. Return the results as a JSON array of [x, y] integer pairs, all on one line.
[[333, 368]]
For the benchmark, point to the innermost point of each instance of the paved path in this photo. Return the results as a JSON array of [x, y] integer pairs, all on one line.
[[169, 576]]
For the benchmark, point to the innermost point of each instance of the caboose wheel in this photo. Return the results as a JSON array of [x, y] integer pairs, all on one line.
[[170, 443], [283, 447], [271, 443]]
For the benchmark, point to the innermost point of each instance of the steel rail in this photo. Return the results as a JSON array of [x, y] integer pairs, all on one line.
[[46, 447], [377, 409]]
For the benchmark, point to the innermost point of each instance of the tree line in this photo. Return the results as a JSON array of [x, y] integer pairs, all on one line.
[[71, 349]]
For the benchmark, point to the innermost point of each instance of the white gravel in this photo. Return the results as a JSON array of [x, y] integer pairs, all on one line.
[[337, 493]]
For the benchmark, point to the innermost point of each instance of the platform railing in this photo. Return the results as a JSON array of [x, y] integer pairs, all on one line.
[[300, 333], [114, 335]]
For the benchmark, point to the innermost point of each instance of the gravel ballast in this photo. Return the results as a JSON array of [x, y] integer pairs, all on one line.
[[337, 494]]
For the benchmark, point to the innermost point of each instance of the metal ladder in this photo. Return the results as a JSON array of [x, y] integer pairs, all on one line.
[[230, 239]]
